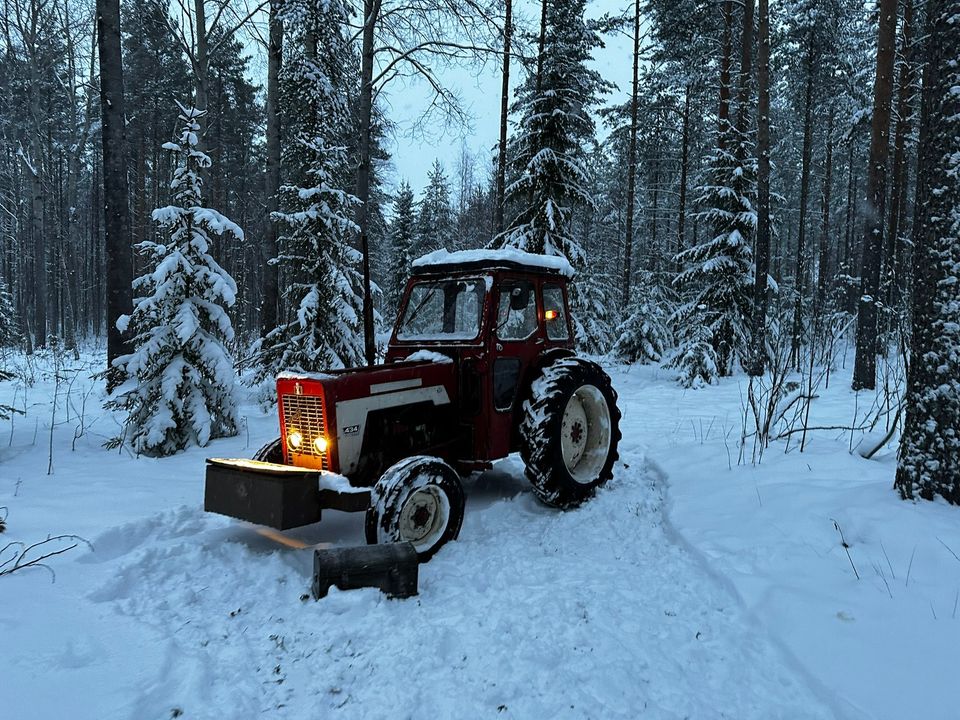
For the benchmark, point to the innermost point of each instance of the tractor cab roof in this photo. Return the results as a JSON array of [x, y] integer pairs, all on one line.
[[442, 262]]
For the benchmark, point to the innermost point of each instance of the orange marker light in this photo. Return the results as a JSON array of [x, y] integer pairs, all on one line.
[[551, 314]]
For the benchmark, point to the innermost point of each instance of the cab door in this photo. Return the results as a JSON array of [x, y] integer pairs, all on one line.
[[517, 339]]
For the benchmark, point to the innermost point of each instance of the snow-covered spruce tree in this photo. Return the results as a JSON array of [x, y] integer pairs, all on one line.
[[402, 237], [324, 292], [9, 325], [929, 463], [644, 336], [180, 387], [716, 280], [695, 358], [435, 217], [547, 154]]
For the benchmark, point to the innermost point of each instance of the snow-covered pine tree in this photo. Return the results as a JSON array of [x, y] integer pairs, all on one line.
[[324, 292], [929, 463], [435, 217], [402, 237], [9, 325], [181, 386], [716, 281]]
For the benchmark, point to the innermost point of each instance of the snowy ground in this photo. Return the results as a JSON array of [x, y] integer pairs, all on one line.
[[689, 588]]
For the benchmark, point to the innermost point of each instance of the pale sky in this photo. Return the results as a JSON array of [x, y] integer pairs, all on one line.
[[413, 153]]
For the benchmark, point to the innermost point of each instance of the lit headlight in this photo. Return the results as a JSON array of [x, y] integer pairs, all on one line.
[[294, 439], [320, 444]]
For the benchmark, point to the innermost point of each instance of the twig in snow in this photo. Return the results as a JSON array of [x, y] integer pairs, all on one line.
[[932, 610], [889, 564], [949, 549], [19, 560], [956, 598], [3, 518], [879, 571], [846, 547], [910, 566]]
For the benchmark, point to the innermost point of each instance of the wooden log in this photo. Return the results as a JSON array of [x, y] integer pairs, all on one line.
[[391, 567]]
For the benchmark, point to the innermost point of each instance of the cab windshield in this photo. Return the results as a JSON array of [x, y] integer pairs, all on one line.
[[443, 310]]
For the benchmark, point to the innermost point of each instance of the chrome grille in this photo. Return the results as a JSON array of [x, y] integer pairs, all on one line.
[[304, 413]]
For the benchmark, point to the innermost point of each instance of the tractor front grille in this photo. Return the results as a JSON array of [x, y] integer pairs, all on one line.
[[304, 414]]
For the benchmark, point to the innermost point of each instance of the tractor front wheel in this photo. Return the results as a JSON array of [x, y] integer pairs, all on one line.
[[419, 500], [569, 432]]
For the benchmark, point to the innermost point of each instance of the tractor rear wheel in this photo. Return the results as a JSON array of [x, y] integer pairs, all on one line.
[[419, 500], [569, 432], [272, 452]]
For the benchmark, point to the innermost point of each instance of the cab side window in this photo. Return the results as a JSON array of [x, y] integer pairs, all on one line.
[[554, 312], [516, 310]]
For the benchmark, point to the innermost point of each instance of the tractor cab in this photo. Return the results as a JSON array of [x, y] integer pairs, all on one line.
[[499, 315]]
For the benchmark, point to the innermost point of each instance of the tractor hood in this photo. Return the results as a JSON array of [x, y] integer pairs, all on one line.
[[329, 421]]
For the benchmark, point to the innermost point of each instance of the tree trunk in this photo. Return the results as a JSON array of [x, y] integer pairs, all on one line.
[[371, 10], [746, 70], [898, 192], [723, 113], [762, 243], [202, 60], [823, 263], [845, 265], [504, 110], [632, 159], [116, 219], [684, 161], [929, 462], [800, 265], [865, 368], [38, 241], [542, 40], [269, 310]]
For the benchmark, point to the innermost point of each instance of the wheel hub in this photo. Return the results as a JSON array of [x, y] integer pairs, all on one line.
[[585, 434], [576, 433], [421, 515]]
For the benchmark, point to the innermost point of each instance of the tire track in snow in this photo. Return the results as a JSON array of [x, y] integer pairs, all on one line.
[[533, 613]]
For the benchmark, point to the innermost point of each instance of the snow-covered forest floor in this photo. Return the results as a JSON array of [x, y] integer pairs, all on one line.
[[691, 587]]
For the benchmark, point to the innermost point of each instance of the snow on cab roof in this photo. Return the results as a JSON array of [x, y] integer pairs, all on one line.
[[504, 257]]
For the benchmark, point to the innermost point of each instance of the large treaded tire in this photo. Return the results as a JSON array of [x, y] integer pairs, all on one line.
[[541, 430], [419, 500], [272, 452]]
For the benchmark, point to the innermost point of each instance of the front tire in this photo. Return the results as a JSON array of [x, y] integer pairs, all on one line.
[[570, 432], [418, 500]]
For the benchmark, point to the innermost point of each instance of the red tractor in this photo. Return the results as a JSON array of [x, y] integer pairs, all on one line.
[[480, 364]]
